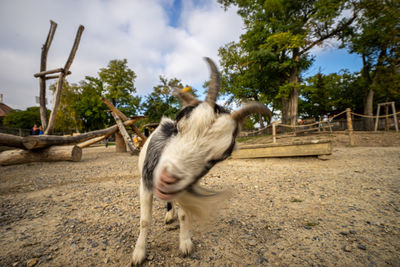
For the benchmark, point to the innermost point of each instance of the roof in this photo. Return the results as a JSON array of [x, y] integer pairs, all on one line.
[[4, 109]]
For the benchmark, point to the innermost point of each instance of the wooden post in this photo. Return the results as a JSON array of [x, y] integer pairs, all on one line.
[[120, 146], [60, 83], [377, 117], [350, 126], [43, 65], [125, 135], [274, 132], [396, 122], [386, 118]]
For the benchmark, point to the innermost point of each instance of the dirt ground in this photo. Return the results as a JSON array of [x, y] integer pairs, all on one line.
[[344, 211]]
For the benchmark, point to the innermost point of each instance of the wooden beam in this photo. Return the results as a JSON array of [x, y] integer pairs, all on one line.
[[288, 150], [56, 76], [40, 141], [11, 140], [60, 83], [45, 72], [124, 133], [54, 153]]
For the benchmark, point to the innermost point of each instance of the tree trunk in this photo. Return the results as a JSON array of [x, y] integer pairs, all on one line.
[[293, 101], [54, 153], [368, 110], [120, 146]]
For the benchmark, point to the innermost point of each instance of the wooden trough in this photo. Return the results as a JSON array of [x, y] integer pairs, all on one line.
[[298, 149]]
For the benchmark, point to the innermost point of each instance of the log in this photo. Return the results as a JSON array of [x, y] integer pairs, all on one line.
[[124, 118], [54, 153], [120, 146], [43, 66], [11, 140], [43, 73], [92, 141], [56, 76], [60, 82], [124, 133], [313, 148], [40, 141]]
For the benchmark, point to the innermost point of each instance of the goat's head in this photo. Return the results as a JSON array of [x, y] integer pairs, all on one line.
[[204, 134]]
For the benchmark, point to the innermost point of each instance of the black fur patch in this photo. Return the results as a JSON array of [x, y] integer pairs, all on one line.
[[157, 143], [169, 206]]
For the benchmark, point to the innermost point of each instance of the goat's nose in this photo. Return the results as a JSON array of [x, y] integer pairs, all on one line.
[[167, 178]]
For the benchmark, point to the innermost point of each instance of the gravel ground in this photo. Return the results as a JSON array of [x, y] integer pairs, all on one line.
[[344, 211]]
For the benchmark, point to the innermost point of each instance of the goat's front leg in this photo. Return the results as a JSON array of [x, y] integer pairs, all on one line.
[[185, 243], [146, 204]]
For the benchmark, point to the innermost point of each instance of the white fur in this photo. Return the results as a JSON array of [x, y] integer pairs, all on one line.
[[202, 137]]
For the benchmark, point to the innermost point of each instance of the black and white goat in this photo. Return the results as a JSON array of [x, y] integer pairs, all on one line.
[[180, 152]]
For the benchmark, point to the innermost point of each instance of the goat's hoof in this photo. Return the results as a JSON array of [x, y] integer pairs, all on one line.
[[185, 247], [139, 255], [170, 217]]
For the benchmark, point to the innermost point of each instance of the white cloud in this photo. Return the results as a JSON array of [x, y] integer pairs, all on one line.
[[136, 30]]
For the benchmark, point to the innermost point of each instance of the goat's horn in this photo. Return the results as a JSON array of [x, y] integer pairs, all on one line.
[[213, 88], [186, 97], [250, 108]]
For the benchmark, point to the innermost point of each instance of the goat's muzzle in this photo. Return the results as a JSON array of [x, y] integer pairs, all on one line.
[[163, 185]]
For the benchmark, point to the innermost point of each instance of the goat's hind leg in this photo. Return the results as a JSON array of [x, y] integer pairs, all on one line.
[[185, 242], [146, 204], [170, 216]]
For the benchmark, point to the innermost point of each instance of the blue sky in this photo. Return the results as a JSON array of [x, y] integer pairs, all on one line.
[[157, 37]]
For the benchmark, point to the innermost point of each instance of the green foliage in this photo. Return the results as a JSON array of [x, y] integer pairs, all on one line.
[[23, 119], [91, 110], [268, 60], [330, 94], [161, 101], [118, 84]]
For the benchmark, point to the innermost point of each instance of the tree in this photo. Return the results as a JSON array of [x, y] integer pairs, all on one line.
[[376, 38], [91, 110], [279, 36], [161, 102], [330, 94], [67, 119], [23, 119], [118, 84]]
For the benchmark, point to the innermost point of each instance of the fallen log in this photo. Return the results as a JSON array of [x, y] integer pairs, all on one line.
[[124, 133], [11, 140], [41, 141], [124, 118], [53, 153]]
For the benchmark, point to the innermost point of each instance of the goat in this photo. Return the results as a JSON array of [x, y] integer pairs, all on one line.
[[180, 152]]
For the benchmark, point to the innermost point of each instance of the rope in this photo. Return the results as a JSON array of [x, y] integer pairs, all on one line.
[[373, 117]]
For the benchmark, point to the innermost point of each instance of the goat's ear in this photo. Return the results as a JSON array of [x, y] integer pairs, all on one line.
[[186, 97], [215, 83], [248, 109]]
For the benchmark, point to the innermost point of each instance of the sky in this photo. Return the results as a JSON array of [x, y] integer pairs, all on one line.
[[157, 37]]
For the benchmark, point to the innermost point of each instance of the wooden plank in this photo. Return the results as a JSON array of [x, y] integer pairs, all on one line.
[[288, 150]]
